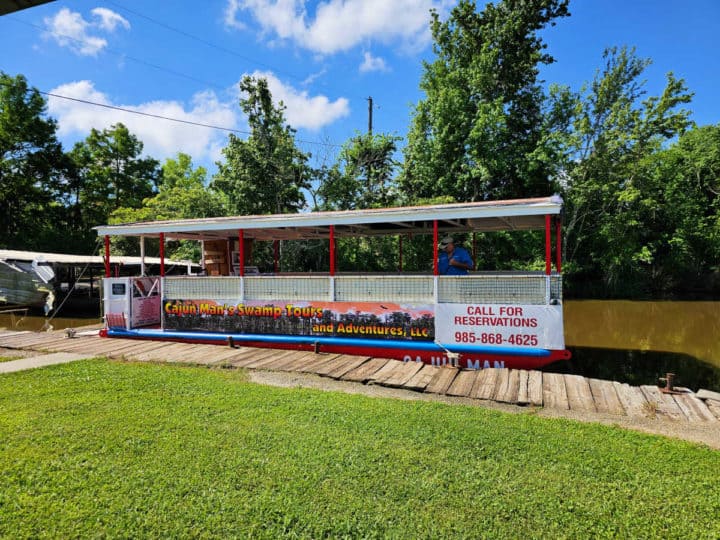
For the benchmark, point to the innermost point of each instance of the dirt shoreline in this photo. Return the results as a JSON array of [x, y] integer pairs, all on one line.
[[704, 433]]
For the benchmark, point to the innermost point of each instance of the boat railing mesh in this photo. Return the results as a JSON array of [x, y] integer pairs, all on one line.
[[384, 289], [202, 288], [498, 289], [287, 288], [490, 288]]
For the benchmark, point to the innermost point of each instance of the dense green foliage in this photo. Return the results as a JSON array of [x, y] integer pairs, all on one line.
[[640, 181], [103, 449], [478, 133], [265, 173]]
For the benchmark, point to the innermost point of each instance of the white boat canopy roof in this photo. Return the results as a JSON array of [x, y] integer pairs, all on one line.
[[78, 260], [517, 214]]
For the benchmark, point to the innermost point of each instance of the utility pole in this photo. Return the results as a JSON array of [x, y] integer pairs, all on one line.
[[370, 109]]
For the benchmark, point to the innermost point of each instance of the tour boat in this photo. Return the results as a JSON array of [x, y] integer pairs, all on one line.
[[510, 319]]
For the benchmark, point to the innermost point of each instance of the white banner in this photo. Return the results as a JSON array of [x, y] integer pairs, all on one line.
[[500, 325]]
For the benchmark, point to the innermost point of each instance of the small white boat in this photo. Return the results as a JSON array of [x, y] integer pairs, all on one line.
[[26, 284]]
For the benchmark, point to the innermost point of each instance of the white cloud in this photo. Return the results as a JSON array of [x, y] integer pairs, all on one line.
[[231, 10], [161, 138], [109, 20], [303, 110], [70, 29], [339, 25], [372, 63]]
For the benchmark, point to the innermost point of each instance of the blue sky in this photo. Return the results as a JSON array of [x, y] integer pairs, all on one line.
[[322, 58]]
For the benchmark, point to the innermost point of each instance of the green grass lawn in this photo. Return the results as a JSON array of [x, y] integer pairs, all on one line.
[[98, 448]]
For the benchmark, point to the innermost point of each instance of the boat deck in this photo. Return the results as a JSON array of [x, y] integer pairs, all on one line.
[[512, 386]]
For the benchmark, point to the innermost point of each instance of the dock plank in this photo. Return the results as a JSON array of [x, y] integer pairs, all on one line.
[[633, 400], [554, 391], [508, 387], [364, 372], [535, 388], [385, 372], [327, 367], [579, 395], [606, 397], [422, 378], [665, 406], [245, 356], [347, 364], [463, 383], [714, 407], [442, 380], [694, 408], [523, 398], [485, 383], [270, 356], [403, 375]]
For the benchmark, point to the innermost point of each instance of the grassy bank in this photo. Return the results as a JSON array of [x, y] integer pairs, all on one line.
[[97, 448]]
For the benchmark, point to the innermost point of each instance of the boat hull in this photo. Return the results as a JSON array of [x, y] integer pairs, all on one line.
[[20, 288]]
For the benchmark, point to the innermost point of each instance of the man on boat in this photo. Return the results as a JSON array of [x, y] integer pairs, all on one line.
[[453, 260]]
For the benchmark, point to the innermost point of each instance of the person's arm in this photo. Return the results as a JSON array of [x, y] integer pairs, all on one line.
[[461, 259]]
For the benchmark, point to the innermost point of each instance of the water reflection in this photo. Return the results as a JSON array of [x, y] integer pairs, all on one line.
[[20, 321], [637, 342]]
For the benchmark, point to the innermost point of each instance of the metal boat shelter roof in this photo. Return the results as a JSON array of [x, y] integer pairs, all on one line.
[[78, 260], [517, 214]]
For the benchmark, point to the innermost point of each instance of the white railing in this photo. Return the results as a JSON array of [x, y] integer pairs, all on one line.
[[489, 288]]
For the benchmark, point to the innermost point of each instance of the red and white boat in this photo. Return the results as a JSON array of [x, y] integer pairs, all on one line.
[[485, 319]]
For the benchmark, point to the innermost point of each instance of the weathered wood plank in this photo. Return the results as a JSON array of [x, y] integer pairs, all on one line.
[[554, 391], [708, 394], [606, 397], [666, 409], [282, 360], [364, 372], [633, 400], [508, 387], [147, 347], [385, 372], [403, 375], [442, 380], [484, 387], [523, 398], [714, 407], [503, 379], [422, 378], [694, 408], [270, 356], [535, 388], [463, 383], [579, 395], [153, 354], [202, 356], [327, 367], [348, 363], [245, 356]]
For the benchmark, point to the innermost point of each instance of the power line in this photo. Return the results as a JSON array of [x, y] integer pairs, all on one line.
[[204, 41], [161, 117]]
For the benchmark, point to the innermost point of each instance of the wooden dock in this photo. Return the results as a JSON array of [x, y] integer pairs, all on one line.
[[513, 386]]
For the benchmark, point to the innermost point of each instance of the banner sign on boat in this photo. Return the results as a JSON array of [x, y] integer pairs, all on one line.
[[531, 326], [369, 320]]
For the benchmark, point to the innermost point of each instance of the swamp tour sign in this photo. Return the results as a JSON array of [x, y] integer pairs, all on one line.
[[527, 326], [369, 320]]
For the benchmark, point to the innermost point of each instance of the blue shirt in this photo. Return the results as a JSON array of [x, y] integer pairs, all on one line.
[[460, 255]]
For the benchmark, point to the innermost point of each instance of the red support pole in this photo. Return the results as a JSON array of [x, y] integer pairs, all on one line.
[[332, 250], [107, 256], [436, 269], [276, 256], [162, 254], [400, 246], [548, 245], [241, 251], [558, 245]]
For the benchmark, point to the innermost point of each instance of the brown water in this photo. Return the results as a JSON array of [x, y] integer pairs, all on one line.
[[634, 342]]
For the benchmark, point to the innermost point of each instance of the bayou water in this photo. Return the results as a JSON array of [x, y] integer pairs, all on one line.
[[626, 341]]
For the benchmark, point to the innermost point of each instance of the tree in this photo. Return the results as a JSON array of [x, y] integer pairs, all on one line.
[[183, 194], [477, 135], [113, 173], [266, 173], [611, 144], [364, 175], [32, 166]]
